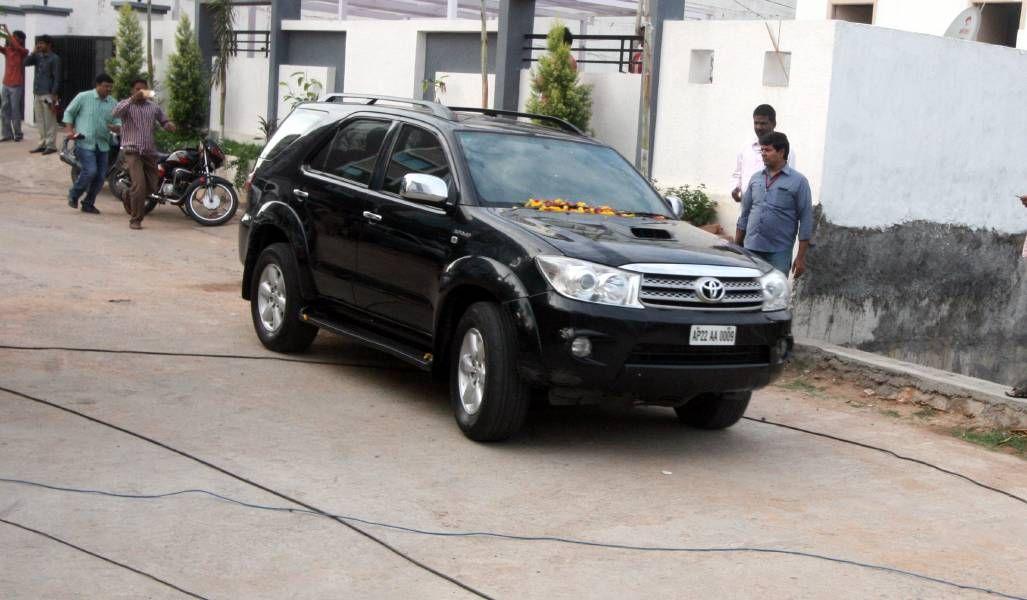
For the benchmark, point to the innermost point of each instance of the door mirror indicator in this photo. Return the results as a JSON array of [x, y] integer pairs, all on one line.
[[676, 206], [424, 188]]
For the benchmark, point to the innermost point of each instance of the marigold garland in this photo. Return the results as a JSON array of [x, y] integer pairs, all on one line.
[[561, 205]]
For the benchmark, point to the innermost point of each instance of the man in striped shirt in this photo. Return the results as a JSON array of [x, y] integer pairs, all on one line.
[[90, 115], [139, 115]]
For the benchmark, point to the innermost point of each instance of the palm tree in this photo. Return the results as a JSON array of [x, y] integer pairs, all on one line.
[[223, 21]]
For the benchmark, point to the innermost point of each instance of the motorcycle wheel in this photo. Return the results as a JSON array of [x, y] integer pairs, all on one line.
[[210, 212]]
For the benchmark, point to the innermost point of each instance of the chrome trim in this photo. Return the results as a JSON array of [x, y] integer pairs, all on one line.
[[372, 216], [692, 270]]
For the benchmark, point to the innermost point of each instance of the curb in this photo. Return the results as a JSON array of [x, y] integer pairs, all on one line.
[[893, 379]]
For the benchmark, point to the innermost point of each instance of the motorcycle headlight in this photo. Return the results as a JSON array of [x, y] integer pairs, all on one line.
[[776, 290], [589, 282]]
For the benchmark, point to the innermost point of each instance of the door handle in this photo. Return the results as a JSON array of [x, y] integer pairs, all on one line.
[[300, 194], [370, 216]]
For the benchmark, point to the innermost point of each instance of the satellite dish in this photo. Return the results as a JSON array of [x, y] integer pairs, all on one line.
[[966, 25]]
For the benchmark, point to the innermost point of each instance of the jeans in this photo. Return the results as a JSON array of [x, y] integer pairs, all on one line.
[[782, 261], [90, 179], [46, 120], [12, 111]]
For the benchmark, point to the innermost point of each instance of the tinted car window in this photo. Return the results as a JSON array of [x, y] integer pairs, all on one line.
[[416, 151], [510, 169], [299, 122], [353, 151]]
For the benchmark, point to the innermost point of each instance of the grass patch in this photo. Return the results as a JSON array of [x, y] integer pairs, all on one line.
[[926, 412], [891, 413], [799, 385], [995, 439]]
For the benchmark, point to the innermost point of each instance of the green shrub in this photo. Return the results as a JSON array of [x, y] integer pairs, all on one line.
[[699, 209], [127, 62], [555, 90], [188, 86], [245, 155]]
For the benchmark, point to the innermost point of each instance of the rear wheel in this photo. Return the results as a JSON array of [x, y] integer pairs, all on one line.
[[714, 411], [489, 398], [275, 302]]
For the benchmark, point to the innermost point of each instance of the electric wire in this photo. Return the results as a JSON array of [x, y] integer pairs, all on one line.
[[103, 558], [355, 365], [259, 486], [891, 453], [525, 538], [371, 365]]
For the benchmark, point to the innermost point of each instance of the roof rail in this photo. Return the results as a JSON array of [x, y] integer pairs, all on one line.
[[436, 109], [492, 112]]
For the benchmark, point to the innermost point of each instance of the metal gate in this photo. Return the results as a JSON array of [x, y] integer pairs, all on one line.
[[82, 59]]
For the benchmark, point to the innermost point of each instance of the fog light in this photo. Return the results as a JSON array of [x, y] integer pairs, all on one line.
[[581, 347]]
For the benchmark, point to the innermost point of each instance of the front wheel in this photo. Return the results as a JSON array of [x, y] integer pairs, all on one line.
[[211, 204], [714, 411], [489, 398], [275, 301]]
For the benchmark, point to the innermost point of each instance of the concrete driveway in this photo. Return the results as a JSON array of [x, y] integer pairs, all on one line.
[[372, 439]]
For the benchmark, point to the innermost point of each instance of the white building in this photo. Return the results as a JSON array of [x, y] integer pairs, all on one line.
[[1002, 21]]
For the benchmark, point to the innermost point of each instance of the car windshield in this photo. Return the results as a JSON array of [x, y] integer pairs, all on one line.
[[511, 169]]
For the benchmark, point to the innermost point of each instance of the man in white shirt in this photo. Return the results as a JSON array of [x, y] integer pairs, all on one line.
[[750, 160]]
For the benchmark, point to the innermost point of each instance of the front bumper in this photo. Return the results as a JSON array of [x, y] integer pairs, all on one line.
[[645, 353]]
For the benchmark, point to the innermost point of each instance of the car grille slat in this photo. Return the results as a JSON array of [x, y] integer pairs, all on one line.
[[678, 291]]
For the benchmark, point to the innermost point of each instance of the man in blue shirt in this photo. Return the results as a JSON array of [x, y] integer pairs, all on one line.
[[776, 205], [90, 115]]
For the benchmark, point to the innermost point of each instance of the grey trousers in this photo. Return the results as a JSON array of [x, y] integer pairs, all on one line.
[[12, 111], [46, 121]]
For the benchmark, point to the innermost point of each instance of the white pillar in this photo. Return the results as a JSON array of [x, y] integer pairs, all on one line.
[[451, 8], [343, 9]]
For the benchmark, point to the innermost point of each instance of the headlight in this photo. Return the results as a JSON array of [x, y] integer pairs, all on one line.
[[589, 282], [776, 290]]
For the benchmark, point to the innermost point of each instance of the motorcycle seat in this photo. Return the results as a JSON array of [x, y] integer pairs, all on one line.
[[162, 156]]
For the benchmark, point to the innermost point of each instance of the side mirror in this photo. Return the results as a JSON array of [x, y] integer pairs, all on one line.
[[424, 188], [676, 206]]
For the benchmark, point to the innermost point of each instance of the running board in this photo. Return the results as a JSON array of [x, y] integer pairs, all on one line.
[[421, 360]]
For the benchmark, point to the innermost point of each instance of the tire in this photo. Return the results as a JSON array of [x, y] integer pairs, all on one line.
[[484, 373], [150, 205], [714, 411], [226, 205], [280, 329]]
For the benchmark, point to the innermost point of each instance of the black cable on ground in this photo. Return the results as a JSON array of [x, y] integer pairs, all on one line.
[[522, 538], [250, 482], [355, 365], [103, 558], [891, 453]]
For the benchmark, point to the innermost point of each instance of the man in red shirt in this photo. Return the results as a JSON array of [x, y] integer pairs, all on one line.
[[12, 100]]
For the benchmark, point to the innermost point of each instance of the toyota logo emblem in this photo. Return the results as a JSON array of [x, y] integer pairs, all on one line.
[[710, 290]]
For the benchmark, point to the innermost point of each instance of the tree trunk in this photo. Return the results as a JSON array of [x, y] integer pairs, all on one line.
[[149, 41]]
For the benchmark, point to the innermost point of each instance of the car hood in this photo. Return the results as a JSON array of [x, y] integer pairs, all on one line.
[[616, 241]]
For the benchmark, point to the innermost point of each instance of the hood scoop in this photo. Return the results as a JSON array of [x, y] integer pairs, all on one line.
[[651, 234]]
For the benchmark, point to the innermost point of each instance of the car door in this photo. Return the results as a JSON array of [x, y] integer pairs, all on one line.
[[336, 194], [405, 245]]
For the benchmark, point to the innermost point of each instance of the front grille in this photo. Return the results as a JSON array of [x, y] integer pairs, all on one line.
[[672, 354], [678, 291]]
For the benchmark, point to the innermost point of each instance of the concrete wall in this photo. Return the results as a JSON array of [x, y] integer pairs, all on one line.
[[456, 52], [246, 100], [918, 244], [321, 49], [919, 16], [701, 126]]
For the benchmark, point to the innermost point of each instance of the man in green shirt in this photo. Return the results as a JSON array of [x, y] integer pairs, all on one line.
[[90, 115]]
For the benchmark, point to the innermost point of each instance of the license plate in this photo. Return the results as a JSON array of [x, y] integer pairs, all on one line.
[[712, 335]]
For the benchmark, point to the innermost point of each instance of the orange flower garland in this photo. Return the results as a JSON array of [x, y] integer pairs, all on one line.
[[561, 205]]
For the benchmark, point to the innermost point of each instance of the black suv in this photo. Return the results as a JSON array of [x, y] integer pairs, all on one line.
[[515, 258]]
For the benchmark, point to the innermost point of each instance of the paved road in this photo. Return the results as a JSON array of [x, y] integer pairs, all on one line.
[[377, 441]]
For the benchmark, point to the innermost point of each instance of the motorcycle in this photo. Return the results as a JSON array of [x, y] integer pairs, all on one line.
[[185, 179]]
